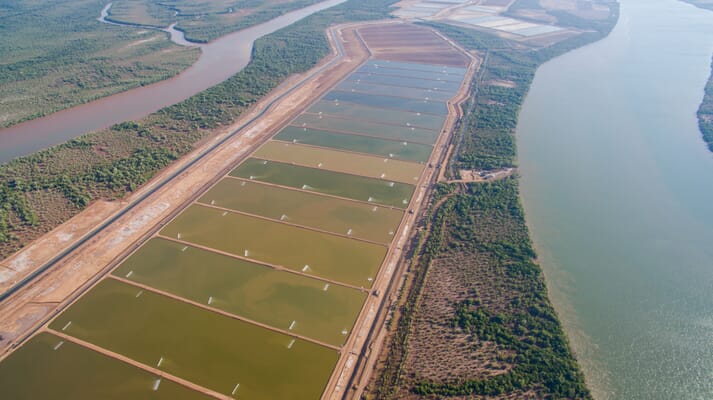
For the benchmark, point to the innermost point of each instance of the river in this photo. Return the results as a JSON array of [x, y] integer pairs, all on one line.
[[617, 185], [219, 60]]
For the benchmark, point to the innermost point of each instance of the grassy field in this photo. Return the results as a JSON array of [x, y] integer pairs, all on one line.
[[41, 191], [476, 321], [205, 20], [56, 54]]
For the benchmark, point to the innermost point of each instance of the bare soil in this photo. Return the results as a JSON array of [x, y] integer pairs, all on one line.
[[60, 285], [410, 43]]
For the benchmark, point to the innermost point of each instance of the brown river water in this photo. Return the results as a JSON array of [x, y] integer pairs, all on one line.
[[219, 60]]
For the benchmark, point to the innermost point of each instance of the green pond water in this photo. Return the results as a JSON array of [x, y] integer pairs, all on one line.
[[339, 161], [379, 192], [209, 349], [49, 367], [446, 86], [618, 190], [332, 257], [373, 114], [280, 299], [341, 216], [403, 132], [396, 103], [357, 143]]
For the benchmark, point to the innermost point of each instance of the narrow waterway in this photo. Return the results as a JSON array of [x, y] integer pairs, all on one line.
[[618, 189], [175, 35], [218, 61]]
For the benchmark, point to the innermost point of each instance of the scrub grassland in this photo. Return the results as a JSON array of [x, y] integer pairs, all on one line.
[[55, 54], [205, 20], [43, 190], [474, 319]]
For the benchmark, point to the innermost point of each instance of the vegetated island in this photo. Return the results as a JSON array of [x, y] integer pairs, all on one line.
[[474, 319]]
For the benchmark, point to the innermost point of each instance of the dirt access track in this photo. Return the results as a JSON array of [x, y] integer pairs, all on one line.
[[408, 43], [27, 310], [135, 218]]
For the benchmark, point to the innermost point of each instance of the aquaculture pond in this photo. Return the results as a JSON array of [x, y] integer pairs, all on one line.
[[341, 216], [254, 288], [309, 307], [360, 188], [40, 370], [335, 160], [212, 350], [315, 253]]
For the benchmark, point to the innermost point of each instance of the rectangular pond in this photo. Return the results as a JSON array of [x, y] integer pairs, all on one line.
[[49, 367], [413, 66], [346, 217], [390, 70], [363, 144], [315, 253], [211, 350], [339, 161], [374, 114], [396, 103], [445, 86], [280, 299], [400, 91], [354, 187], [358, 126]]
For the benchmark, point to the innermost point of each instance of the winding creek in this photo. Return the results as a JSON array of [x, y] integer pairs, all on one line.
[[219, 60], [175, 35], [618, 188]]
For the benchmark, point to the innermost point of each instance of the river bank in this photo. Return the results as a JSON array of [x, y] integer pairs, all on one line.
[[56, 55], [626, 253], [475, 317], [218, 61], [49, 187]]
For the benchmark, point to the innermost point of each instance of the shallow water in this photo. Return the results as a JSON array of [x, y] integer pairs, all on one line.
[[617, 185]]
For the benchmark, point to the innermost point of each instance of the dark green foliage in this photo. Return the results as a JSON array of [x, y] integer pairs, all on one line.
[[428, 247], [705, 113], [485, 221], [116, 161], [528, 326]]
